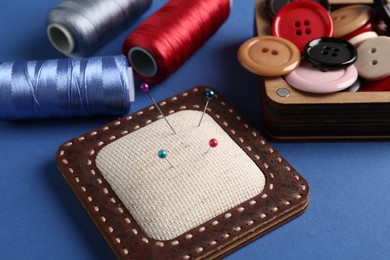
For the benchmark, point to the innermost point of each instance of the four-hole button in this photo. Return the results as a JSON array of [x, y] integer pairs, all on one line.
[[330, 52], [302, 21]]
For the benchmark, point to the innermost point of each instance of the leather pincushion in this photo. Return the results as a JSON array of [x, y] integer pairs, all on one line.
[[210, 203]]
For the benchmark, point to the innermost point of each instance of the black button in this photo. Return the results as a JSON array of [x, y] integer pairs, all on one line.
[[330, 52], [273, 6], [384, 12]]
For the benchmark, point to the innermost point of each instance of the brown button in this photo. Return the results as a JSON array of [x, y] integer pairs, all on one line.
[[350, 18], [269, 56]]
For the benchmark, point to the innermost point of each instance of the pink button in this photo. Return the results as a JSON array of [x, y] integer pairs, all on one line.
[[315, 80]]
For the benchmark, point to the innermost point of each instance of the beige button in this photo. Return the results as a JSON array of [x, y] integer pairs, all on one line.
[[373, 58], [350, 18], [269, 56], [360, 38]]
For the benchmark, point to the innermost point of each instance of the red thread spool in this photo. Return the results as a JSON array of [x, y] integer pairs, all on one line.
[[164, 41]]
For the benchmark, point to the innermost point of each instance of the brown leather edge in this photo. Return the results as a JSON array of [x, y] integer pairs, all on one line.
[[285, 195], [254, 234]]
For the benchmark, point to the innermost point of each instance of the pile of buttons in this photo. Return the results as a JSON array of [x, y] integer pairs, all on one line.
[[321, 51]]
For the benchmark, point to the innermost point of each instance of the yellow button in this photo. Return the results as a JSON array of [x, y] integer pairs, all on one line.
[[350, 18], [269, 56]]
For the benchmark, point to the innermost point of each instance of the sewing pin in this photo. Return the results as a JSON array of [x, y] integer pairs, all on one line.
[[212, 144], [209, 95], [162, 154], [145, 88]]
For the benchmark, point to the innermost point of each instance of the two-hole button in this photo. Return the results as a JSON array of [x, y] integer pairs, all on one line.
[[373, 58], [269, 56]]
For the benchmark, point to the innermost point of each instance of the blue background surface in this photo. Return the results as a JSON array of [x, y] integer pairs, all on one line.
[[40, 218]]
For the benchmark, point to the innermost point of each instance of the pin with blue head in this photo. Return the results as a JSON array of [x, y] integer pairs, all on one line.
[[209, 95], [212, 144], [162, 154], [145, 88]]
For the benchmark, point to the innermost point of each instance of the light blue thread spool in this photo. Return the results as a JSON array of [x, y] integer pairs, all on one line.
[[65, 88]]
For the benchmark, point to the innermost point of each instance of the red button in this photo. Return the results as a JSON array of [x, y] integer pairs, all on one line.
[[301, 22], [377, 85]]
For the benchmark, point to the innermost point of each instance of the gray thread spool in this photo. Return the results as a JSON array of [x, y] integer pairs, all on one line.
[[78, 27]]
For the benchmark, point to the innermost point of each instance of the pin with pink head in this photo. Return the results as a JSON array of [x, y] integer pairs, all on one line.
[[145, 88], [212, 144]]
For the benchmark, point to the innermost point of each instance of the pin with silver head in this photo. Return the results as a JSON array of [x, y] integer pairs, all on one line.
[[209, 95], [162, 154], [145, 88]]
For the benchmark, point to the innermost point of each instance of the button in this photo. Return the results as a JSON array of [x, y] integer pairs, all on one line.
[[315, 80], [359, 39], [355, 87], [377, 85], [368, 27], [330, 52], [350, 18], [301, 22], [273, 6], [383, 9], [373, 58], [269, 56], [381, 28]]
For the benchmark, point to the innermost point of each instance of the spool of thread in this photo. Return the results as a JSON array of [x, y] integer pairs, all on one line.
[[164, 41], [76, 28], [65, 88]]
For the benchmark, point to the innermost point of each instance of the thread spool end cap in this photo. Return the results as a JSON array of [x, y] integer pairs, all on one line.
[[61, 38], [142, 62]]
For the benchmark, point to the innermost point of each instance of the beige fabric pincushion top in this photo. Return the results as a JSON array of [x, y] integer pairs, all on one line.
[[168, 201]]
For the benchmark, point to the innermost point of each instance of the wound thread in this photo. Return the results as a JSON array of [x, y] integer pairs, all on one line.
[[76, 28], [164, 41], [65, 88]]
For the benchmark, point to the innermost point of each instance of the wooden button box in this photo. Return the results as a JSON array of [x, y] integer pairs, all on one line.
[[289, 114]]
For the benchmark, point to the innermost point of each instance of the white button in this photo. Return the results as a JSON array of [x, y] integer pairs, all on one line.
[[360, 38], [373, 58]]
